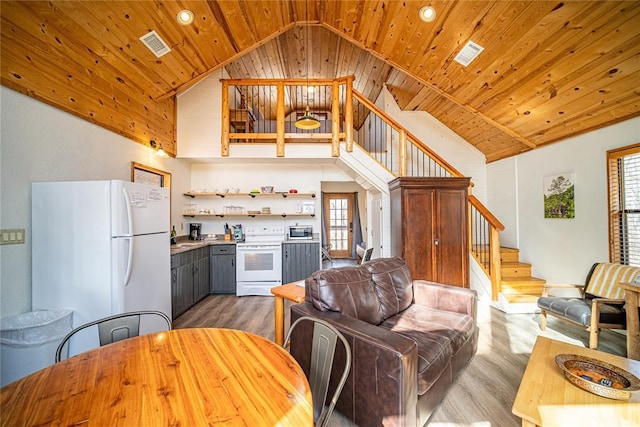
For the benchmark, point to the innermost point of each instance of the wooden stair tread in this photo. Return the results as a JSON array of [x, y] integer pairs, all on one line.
[[522, 298], [515, 264], [529, 279]]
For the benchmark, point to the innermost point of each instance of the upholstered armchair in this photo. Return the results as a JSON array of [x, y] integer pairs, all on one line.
[[409, 339], [600, 304]]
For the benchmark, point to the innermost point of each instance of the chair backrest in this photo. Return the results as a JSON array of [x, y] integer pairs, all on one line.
[[604, 279], [114, 328], [323, 349], [367, 255]]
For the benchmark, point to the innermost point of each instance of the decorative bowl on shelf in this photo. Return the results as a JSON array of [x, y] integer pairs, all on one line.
[[267, 189], [598, 377]]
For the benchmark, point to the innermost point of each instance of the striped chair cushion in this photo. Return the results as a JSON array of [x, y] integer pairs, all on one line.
[[606, 277]]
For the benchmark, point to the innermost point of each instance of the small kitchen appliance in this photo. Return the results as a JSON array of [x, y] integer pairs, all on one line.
[[300, 232], [195, 230]]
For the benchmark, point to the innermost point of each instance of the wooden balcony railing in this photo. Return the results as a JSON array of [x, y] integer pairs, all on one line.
[[266, 110]]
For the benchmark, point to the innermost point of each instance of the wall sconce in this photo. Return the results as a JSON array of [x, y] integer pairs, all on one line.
[[159, 151]]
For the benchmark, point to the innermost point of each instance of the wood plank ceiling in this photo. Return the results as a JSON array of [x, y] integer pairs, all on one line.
[[549, 70]]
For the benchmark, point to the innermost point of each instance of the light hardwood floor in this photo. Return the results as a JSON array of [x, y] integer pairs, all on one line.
[[482, 395]]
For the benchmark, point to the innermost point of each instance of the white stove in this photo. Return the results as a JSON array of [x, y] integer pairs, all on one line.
[[259, 261]]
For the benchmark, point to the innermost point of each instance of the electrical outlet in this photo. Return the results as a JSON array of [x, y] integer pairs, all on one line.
[[11, 236]]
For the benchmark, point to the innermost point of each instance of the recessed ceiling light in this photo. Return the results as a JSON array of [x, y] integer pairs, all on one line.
[[427, 14], [184, 17]]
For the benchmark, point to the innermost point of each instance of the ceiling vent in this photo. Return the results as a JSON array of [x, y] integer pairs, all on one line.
[[469, 52], [155, 44]]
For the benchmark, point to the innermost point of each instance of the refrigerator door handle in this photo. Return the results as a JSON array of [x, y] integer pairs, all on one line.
[[127, 274], [127, 203]]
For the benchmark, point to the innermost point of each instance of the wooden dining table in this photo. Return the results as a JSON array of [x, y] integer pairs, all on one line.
[[182, 377]]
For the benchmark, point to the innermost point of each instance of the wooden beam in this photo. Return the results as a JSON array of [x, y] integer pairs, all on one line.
[[280, 121], [224, 142], [335, 119], [348, 113]]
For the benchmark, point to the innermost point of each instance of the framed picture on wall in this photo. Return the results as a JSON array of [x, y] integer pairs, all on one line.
[[148, 175], [559, 196]]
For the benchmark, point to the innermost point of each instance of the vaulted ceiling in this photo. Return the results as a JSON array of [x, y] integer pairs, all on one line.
[[549, 69]]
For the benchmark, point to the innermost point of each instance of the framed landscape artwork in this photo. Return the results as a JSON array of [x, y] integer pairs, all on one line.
[[559, 200]]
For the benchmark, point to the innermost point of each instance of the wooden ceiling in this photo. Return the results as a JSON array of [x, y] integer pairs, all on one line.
[[549, 69]]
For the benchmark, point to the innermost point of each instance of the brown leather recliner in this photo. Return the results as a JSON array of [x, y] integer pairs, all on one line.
[[409, 338]]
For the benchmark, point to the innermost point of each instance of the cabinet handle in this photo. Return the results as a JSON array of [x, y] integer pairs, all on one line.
[[437, 242]]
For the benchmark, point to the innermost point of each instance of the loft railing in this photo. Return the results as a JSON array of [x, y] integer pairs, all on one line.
[[259, 111], [266, 110]]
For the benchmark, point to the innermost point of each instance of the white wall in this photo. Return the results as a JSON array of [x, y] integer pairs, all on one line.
[[41, 143], [561, 250], [283, 175]]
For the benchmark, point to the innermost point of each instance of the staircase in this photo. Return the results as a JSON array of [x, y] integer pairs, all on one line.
[[518, 286]]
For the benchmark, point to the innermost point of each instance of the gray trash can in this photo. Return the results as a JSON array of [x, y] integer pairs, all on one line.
[[28, 341]]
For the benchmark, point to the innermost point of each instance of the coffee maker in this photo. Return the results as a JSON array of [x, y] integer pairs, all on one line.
[[195, 230]]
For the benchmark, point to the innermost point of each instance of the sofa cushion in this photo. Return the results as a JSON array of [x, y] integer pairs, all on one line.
[[348, 290], [579, 310], [438, 335], [393, 284]]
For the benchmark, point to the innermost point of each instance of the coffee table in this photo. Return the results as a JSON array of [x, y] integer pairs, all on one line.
[[294, 292], [546, 398]]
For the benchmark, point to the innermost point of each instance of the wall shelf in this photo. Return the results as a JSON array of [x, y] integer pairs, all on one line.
[[284, 215], [282, 194]]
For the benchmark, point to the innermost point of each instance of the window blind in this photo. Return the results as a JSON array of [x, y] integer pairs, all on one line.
[[624, 205]]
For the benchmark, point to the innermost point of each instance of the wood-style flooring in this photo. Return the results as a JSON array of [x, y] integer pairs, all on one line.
[[482, 395]]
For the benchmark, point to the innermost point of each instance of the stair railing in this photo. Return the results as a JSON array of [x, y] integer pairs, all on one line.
[[393, 146], [484, 242]]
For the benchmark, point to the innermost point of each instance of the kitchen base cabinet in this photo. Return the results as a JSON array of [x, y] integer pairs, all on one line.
[[223, 269], [200, 273], [299, 260], [181, 283], [189, 279]]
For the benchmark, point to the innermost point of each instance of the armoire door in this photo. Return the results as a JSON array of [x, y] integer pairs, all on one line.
[[450, 240]]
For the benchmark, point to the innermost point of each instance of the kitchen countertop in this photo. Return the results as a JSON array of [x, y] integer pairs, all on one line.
[[188, 245]]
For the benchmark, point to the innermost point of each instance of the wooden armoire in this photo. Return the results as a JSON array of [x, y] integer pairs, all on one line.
[[429, 223]]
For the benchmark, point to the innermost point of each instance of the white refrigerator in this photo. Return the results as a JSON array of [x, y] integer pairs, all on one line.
[[100, 248]]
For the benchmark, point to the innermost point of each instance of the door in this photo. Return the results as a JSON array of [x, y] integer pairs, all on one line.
[[338, 218]]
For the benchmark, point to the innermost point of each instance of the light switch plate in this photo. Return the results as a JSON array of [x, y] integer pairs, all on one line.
[[11, 236]]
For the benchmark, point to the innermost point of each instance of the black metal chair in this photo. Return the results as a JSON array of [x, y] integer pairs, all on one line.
[[114, 328], [323, 349], [325, 253]]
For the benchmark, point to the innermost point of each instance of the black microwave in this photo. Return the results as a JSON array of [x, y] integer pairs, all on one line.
[[300, 232]]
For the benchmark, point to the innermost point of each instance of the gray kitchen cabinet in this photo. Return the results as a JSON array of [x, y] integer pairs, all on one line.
[[189, 279], [299, 260], [223, 269], [181, 283], [200, 273]]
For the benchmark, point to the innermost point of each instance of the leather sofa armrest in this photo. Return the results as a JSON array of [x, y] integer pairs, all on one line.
[[384, 368], [445, 297]]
